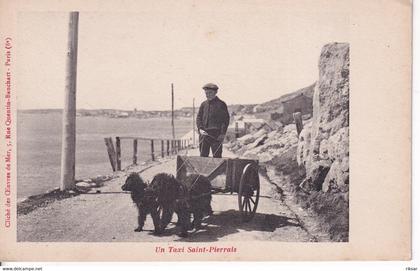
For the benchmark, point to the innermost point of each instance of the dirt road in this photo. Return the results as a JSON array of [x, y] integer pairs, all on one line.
[[110, 216]]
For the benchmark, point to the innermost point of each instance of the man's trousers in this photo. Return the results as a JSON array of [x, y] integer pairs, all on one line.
[[210, 142]]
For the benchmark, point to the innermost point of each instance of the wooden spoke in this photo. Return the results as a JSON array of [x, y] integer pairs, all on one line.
[[249, 206], [249, 191], [246, 206]]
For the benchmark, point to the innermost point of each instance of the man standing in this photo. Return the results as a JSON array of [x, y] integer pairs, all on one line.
[[212, 122]]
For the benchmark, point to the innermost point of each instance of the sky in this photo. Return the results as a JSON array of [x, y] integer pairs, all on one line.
[[128, 60]]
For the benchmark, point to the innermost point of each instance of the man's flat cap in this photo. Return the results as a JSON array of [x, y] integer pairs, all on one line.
[[210, 86]]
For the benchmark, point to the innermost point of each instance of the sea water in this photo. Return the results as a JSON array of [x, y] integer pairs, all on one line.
[[39, 146]]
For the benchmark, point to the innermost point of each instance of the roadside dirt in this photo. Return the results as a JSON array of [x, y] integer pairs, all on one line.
[[110, 216]]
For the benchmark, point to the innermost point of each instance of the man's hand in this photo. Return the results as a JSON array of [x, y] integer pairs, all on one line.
[[221, 137], [202, 132]]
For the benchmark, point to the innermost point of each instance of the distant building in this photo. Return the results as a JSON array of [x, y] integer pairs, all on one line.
[[134, 114], [122, 115], [300, 103], [242, 125]]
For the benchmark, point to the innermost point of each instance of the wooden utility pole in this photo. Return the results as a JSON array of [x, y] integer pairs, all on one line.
[[68, 150], [193, 122], [173, 126]]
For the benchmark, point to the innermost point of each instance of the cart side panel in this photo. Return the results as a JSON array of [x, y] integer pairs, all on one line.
[[213, 168], [237, 170], [230, 179], [201, 165]]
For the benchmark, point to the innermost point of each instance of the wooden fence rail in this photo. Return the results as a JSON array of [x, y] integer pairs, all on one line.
[[173, 146]]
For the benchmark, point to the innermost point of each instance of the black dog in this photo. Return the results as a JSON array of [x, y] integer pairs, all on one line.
[[199, 199], [172, 197], [145, 199], [192, 195]]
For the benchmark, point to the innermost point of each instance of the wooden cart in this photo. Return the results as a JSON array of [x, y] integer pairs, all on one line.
[[227, 176]]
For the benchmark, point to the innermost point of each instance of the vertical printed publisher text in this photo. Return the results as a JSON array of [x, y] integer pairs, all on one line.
[[7, 133]]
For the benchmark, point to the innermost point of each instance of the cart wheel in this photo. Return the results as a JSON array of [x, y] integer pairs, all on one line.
[[249, 192]]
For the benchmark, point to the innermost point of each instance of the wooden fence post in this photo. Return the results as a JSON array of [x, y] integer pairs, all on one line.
[[111, 152], [298, 120], [167, 147], [172, 146], [135, 152], [114, 152], [152, 147], [162, 148], [118, 150]]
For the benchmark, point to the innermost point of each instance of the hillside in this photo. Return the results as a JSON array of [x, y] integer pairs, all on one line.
[[275, 103], [311, 168]]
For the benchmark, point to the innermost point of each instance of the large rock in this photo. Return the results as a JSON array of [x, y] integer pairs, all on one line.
[[83, 186], [246, 139], [258, 142], [319, 171], [338, 144], [327, 141], [333, 87], [336, 180], [304, 145]]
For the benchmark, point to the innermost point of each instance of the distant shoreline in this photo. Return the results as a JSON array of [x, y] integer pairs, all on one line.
[[109, 115], [138, 113]]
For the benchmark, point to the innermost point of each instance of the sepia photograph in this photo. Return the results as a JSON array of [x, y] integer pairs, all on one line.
[[176, 133]]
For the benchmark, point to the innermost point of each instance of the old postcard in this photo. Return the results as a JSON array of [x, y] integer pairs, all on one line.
[[205, 130]]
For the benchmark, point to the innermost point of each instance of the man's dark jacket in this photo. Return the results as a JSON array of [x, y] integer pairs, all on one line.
[[213, 116]]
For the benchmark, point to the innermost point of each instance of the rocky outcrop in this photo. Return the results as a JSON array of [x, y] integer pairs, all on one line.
[[264, 145], [314, 166], [324, 146]]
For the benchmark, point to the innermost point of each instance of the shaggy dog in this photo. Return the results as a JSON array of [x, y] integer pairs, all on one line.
[[145, 199], [192, 195], [199, 197]]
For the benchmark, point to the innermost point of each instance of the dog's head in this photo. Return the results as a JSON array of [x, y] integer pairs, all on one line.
[[163, 182], [134, 183]]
